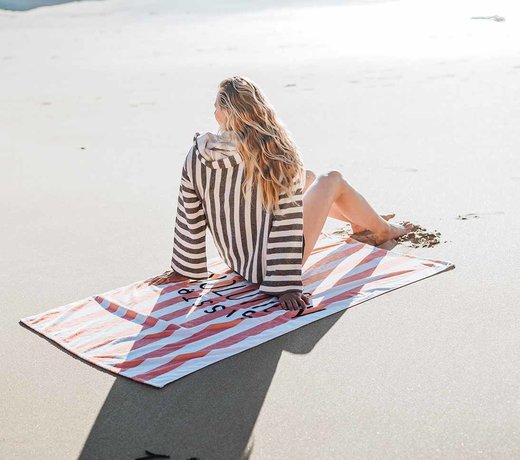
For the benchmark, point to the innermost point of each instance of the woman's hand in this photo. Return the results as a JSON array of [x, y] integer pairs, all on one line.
[[294, 300]]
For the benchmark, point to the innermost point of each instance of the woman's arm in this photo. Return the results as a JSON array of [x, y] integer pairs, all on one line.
[[285, 247], [189, 241]]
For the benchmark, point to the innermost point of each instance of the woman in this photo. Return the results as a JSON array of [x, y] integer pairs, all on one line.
[[265, 211]]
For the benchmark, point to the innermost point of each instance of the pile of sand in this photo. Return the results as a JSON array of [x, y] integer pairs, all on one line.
[[419, 237]]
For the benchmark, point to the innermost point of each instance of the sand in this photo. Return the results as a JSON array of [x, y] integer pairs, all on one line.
[[415, 103]]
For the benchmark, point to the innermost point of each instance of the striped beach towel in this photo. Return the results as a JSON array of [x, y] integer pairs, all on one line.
[[157, 333]]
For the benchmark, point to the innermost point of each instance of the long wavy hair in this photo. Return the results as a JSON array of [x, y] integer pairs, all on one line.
[[271, 157]]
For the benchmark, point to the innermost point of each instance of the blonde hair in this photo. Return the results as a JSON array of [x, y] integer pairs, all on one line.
[[271, 157]]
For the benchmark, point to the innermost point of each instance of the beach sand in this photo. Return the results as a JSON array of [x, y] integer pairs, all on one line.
[[415, 102]]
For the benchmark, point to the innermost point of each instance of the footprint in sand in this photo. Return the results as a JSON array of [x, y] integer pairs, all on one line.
[[475, 215], [401, 169], [495, 17]]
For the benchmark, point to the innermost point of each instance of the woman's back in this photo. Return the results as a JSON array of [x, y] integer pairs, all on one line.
[[264, 247]]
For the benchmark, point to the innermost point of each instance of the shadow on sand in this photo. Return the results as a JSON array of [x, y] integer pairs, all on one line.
[[209, 414]]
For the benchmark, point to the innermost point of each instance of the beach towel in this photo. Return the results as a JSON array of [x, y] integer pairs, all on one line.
[[156, 333]]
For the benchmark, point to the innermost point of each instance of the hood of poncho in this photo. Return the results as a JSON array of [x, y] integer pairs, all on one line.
[[218, 150]]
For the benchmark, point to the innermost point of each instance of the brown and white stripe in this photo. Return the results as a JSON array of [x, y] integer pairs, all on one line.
[[264, 248]]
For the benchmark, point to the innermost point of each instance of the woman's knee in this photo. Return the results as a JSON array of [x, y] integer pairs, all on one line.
[[335, 181], [334, 176]]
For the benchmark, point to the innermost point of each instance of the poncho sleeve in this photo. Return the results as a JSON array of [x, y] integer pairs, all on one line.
[[189, 242], [285, 247]]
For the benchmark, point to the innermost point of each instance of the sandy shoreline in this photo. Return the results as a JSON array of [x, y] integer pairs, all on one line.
[[100, 104]]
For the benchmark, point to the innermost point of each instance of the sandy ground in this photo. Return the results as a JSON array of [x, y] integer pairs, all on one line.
[[416, 103]]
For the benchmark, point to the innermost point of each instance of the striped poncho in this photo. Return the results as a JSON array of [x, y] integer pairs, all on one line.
[[263, 247]]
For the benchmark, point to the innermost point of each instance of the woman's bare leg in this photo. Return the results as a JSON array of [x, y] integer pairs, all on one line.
[[331, 188], [335, 212]]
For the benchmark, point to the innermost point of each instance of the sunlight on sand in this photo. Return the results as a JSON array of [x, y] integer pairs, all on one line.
[[410, 29]]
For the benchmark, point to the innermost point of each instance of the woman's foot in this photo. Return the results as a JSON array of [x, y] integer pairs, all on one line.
[[358, 228], [393, 231]]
